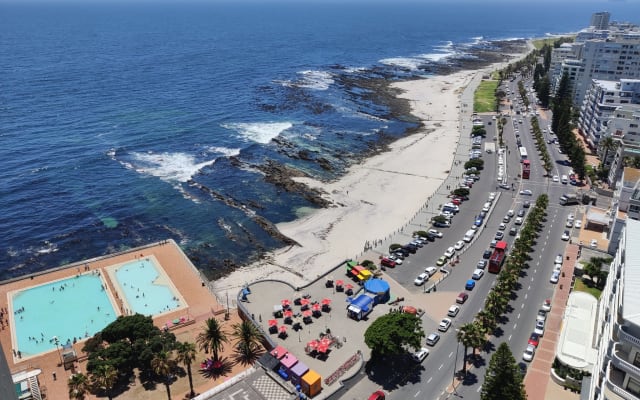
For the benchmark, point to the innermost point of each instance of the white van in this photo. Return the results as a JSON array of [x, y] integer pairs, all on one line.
[[468, 237], [486, 207], [564, 179]]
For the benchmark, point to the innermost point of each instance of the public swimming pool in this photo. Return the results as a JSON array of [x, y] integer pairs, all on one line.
[[69, 309], [146, 289]]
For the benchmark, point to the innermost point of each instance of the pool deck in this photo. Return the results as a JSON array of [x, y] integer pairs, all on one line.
[[201, 305]]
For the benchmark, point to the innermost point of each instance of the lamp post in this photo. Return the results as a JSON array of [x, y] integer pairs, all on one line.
[[455, 365], [57, 342]]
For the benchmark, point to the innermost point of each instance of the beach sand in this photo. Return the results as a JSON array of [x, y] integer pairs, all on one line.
[[377, 197]]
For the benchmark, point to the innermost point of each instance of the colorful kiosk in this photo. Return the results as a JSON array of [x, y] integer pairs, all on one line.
[[379, 289], [311, 383], [358, 272]]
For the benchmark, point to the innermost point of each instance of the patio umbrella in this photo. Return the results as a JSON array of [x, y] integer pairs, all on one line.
[[315, 307], [273, 322], [322, 348], [339, 282], [288, 314], [326, 302], [286, 303], [283, 329], [325, 342], [312, 345], [348, 286], [304, 301], [306, 313]]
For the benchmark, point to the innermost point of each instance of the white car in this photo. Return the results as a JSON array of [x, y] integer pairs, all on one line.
[[519, 221], [526, 192], [571, 217], [420, 355], [577, 224], [558, 259], [492, 196], [477, 274], [546, 305], [556, 178], [444, 325], [431, 270], [565, 235], [528, 353], [395, 258], [453, 311], [435, 232], [432, 339], [459, 245], [421, 279], [569, 223], [555, 277], [450, 252], [502, 226], [539, 329], [511, 213], [594, 243]]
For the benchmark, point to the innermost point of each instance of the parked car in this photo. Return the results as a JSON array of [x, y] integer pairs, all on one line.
[[513, 231], [450, 252], [459, 245], [482, 264], [526, 192], [519, 221], [526, 204], [470, 284], [539, 329], [395, 258], [441, 261], [387, 262], [477, 274], [577, 224], [521, 212], [556, 178], [558, 259], [534, 339], [569, 223], [528, 353], [555, 277], [594, 243], [420, 355], [433, 338], [487, 254], [462, 297], [565, 236], [418, 243], [421, 279], [546, 305], [377, 395], [444, 325], [502, 226], [431, 270], [542, 315], [453, 311]]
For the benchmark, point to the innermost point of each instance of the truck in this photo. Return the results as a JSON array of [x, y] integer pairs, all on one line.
[[526, 169], [568, 199], [497, 257]]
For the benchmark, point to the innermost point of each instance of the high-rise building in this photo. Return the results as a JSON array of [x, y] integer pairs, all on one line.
[[600, 20]]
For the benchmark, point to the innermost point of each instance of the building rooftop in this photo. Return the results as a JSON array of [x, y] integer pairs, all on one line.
[[630, 177], [631, 272], [575, 347], [607, 85]]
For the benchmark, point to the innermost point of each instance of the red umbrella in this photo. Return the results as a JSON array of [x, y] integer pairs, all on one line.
[[315, 307], [306, 313], [304, 301], [348, 286], [313, 344], [288, 314], [286, 303], [325, 342], [283, 329], [322, 348], [326, 302], [339, 282], [273, 322]]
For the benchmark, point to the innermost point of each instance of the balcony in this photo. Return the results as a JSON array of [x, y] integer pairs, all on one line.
[[627, 337], [620, 357], [613, 385]]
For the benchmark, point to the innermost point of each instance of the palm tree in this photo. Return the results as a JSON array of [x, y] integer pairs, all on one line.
[[463, 334], [161, 365], [186, 354], [78, 386], [212, 339], [104, 377], [607, 144], [248, 341]]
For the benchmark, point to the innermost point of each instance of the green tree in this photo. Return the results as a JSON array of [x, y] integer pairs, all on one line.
[[104, 378], [462, 192], [212, 338], [478, 163], [186, 354], [470, 335], [392, 333], [607, 144], [79, 386], [162, 364], [248, 341], [503, 379]]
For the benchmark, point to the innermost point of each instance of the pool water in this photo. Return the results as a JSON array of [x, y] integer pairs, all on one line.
[[69, 309], [145, 290]]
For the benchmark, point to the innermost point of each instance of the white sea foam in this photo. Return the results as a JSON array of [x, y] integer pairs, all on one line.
[[437, 56], [409, 63], [317, 80], [354, 70], [170, 167], [225, 151], [259, 132]]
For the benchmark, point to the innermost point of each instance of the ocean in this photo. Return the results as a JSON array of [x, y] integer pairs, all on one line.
[[124, 124]]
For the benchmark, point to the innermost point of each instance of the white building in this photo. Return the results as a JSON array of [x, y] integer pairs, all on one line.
[[624, 127], [616, 375], [600, 103], [600, 20]]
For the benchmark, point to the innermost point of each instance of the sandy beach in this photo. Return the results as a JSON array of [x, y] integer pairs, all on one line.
[[375, 198]]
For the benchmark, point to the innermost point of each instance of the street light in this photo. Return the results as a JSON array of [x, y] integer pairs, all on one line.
[[57, 342]]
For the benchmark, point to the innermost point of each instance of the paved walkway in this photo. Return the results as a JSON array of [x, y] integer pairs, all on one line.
[[538, 382]]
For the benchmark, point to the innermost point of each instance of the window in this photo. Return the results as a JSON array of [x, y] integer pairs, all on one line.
[[633, 386], [636, 360]]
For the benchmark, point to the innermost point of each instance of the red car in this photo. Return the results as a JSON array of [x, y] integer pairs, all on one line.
[[456, 201], [462, 297], [534, 339], [387, 262], [377, 395]]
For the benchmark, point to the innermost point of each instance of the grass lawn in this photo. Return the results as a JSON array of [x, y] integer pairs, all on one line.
[[582, 287], [484, 99]]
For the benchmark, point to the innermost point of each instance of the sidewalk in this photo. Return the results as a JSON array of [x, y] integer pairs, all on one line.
[[538, 382]]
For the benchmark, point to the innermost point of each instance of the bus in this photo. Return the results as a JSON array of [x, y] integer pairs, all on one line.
[[526, 169], [523, 153]]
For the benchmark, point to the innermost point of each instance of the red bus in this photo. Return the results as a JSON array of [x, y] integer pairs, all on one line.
[[526, 169], [498, 256]]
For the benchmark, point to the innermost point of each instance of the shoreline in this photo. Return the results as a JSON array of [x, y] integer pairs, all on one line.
[[377, 198]]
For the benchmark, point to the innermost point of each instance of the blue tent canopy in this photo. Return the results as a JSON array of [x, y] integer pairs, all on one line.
[[377, 286], [363, 302]]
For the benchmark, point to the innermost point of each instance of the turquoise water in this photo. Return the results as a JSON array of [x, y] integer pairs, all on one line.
[[137, 279], [69, 309]]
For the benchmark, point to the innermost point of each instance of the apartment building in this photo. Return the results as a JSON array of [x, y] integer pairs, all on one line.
[[599, 105], [624, 127], [600, 20], [616, 374]]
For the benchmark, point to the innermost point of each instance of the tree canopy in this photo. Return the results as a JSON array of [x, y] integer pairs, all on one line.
[[503, 379], [393, 333]]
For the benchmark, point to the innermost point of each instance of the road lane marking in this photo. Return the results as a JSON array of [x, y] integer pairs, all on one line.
[[509, 337], [518, 315], [450, 354], [515, 326], [522, 306], [479, 389], [440, 367], [529, 288], [525, 295], [430, 379], [417, 394]]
